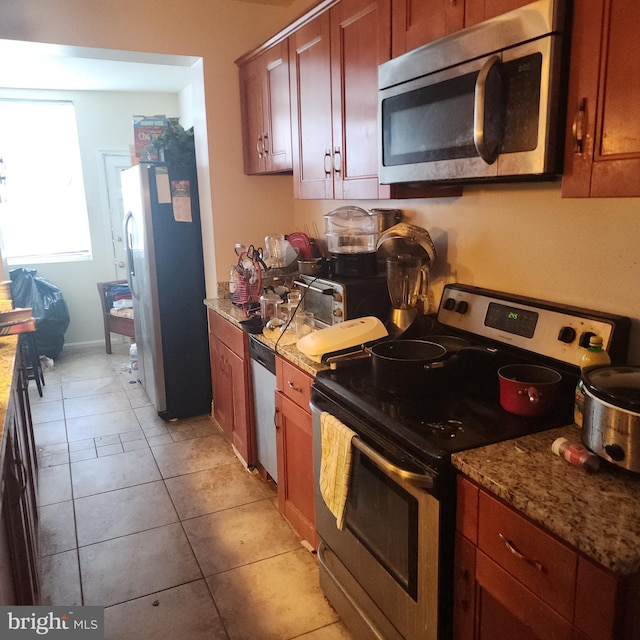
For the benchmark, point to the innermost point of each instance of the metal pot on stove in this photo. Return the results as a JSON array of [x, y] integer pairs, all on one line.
[[611, 414], [352, 233]]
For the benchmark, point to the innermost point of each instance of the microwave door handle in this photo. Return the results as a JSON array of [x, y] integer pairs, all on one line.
[[480, 101]]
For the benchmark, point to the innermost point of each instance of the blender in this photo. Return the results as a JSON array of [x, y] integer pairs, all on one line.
[[407, 281]]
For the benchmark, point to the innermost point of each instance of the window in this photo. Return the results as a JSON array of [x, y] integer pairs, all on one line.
[[43, 213]]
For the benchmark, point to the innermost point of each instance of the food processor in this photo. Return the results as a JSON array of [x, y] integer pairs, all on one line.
[[352, 233]]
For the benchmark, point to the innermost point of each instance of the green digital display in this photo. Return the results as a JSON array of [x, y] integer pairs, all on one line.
[[519, 322]]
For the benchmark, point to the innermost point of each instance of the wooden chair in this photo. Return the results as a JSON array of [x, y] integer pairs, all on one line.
[[113, 324]]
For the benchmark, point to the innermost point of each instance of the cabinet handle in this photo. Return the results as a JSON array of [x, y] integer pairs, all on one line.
[[275, 419], [337, 160], [294, 387], [327, 163], [520, 556], [265, 144], [579, 126], [259, 146]]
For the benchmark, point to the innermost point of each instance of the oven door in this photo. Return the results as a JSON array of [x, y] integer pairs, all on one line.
[[488, 118], [319, 298], [381, 571]]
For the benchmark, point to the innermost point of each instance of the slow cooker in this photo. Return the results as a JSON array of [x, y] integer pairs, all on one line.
[[611, 414]]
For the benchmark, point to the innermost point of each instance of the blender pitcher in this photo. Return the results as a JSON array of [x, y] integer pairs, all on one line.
[[407, 281]]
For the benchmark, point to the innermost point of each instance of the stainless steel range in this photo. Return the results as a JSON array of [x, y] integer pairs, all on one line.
[[388, 571]]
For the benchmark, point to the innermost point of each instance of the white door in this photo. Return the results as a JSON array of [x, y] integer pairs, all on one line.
[[113, 163]]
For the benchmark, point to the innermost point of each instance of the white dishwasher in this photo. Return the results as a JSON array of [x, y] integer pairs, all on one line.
[[263, 372]]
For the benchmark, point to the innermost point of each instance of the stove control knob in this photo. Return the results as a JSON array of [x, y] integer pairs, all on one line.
[[337, 296], [584, 339], [449, 304], [614, 451], [337, 313], [462, 307], [567, 335]]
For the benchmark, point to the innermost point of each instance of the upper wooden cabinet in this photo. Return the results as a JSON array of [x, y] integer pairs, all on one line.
[[417, 22], [266, 114], [334, 90], [602, 151], [476, 11]]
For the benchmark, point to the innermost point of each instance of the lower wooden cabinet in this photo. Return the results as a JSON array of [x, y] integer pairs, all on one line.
[[19, 519], [514, 581], [230, 371], [294, 441]]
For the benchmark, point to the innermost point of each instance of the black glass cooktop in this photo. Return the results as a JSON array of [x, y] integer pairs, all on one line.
[[455, 411]]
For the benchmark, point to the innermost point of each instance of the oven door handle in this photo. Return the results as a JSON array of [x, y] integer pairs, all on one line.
[[326, 292], [419, 480]]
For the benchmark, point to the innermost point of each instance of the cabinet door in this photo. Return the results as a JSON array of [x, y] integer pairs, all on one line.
[[231, 405], [360, 41], [266, 115], [295, 467], [464, 582], [277, 109], [417, 22], [602, 154], [479, 10], [252, 117], [312, 141], [222, 387]]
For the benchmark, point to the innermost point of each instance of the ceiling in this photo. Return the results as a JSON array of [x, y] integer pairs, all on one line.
[[56, 67], [45, 66]]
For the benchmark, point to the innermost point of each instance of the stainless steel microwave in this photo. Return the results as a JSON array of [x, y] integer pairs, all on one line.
[[482, 104]]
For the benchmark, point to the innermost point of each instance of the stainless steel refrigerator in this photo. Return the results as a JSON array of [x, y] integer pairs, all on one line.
[[166, 276]]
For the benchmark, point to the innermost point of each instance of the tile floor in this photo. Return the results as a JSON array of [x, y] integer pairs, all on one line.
[[160, 522]]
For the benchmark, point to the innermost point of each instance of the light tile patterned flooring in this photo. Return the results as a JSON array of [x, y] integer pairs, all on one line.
[[160, 522]]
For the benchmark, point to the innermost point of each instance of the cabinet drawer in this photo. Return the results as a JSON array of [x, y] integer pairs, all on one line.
[[227, 333], [546, 566], [294, 383], [508, 610]]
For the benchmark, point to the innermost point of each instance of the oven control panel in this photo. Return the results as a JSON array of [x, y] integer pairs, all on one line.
[[544, 328]]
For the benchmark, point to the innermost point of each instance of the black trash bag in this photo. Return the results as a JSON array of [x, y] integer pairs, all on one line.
[[49, 309]]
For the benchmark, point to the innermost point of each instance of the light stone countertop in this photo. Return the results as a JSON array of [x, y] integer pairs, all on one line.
[[598, 514], [234, 314]]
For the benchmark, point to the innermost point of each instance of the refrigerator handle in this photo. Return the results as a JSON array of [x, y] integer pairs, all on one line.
[[128, 239]]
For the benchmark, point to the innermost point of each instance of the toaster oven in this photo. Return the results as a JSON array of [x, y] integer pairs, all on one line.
[[335, 299]]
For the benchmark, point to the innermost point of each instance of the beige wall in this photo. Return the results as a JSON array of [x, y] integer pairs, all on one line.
[[527, 240]]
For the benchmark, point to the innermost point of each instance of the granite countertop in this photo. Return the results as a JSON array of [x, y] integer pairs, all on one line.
[[8, 351], [598, 514], [234, 314]]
